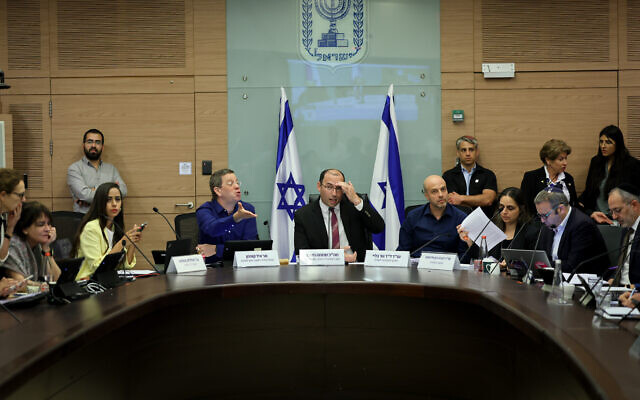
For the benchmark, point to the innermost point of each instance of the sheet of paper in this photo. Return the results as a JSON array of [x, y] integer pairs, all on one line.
[[576, 281], [474, 224]]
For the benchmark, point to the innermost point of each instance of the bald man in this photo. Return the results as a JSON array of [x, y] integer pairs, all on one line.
[[435, 221]]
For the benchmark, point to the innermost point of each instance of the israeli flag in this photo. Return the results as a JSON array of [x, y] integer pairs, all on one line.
[[288, 190], [387, 192]]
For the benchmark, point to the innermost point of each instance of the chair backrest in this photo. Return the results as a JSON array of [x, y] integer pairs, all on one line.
[[612, 236], [187, 227], [66, 224]]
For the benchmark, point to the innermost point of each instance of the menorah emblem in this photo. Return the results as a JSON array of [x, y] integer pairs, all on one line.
[[332, 11]]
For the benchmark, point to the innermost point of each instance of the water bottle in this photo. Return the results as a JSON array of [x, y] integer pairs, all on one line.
[[484, 252]]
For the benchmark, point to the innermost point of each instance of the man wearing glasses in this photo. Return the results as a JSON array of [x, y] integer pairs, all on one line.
[[225, 217], [339, 219], [569, 234], [85, 175], [624, 204]]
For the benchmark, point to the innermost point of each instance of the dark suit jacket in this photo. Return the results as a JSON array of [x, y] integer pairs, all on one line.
[[634, 258], [481, 179], [534, 181], [311, 233], [580, 241]]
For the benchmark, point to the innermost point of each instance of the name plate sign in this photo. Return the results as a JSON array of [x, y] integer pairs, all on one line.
[[439, 261], [266, 258], [182, 264], [382, 258], [322, 257]]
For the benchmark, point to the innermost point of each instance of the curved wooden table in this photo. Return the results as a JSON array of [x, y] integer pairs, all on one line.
[[316, 332]]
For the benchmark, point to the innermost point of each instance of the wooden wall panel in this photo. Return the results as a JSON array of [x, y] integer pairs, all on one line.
[[27, 86], [515, 123], [126, 38], [210, 43], [630, 114], [551, 80], [31, 136], [629, 29], [24, 33], [146, 136], [211, 136], [455, 100], [456, 35], [123, 85], [547, 35]]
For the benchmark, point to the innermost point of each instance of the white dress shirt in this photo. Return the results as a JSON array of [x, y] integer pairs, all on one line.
[[326, 216], [558, 235], [559, 178], [624, 274]]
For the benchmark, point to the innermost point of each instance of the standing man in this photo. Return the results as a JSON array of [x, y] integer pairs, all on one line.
[[225, 217], [339, 219], [569, 234], [435, 221], [624, 204], [85, 175], [469, 184]]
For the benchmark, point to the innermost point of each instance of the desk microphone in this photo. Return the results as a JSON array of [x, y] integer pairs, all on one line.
[[155, 210], [498, 211], [573, 272], [525, 278], [132, 242], [430, 241]]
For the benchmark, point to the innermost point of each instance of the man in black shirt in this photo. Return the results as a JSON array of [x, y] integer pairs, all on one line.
[[469, 184]]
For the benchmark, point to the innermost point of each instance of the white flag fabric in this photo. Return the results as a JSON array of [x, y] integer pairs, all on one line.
[[387, 192], [288, 190]]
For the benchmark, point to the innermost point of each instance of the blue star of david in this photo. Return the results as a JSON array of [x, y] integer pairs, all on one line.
[[297, 203], [383, 187]]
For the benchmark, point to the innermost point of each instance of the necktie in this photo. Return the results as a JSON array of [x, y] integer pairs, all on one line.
[[335, 236]]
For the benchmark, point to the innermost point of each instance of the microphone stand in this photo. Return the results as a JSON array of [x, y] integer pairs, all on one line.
[[155, 209], [429, 242], [529, 267]]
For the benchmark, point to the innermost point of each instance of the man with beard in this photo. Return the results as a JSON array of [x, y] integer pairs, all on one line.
[[225, 217], [85, 175]]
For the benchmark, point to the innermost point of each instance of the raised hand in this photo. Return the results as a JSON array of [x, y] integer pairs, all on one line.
[[243, 214], [350, 192]]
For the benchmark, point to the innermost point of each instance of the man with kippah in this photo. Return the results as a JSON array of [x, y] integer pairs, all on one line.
[[624, 204], [568, 234]]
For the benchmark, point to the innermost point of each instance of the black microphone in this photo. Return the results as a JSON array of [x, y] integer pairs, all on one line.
[[132, 242], [498, 211], [530, 266], [430, 241], [155, 210], [573, 272], [518, 233]]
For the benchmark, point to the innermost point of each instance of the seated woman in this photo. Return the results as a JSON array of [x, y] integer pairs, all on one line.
[[609, 168], [553, 154], [30, 246], [100, 231], [514, 220], [12, 194]]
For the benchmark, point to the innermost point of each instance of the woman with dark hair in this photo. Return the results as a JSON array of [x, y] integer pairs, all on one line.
[[553, 154], [100, 231], [30, 247], [609, 168], [12, 194], [511, 220]]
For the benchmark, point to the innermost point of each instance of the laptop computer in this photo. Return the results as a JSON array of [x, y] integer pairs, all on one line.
[[231, 246], [527, 257], [180, 247]]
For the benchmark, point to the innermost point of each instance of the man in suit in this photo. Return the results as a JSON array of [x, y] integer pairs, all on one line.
[[469, 184], [568, 234], [339, 219], [624, 204]]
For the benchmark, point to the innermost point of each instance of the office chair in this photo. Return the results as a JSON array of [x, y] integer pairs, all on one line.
[[612, 236], [187, 227], [66, 224]]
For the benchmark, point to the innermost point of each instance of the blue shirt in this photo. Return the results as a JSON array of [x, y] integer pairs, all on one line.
[[420, 226], [216, 226], [467, 175]]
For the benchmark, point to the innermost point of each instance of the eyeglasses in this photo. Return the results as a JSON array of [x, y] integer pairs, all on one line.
[[547, 214], [331, 188], [96, 142], [21, 195]]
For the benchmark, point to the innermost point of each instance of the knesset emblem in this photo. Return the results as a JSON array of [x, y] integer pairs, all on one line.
[[332, 32]]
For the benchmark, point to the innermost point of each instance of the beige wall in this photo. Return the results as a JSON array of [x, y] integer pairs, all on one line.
[[160, 97]]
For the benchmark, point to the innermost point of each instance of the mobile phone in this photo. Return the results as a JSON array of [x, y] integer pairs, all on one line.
[[141, 228]]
